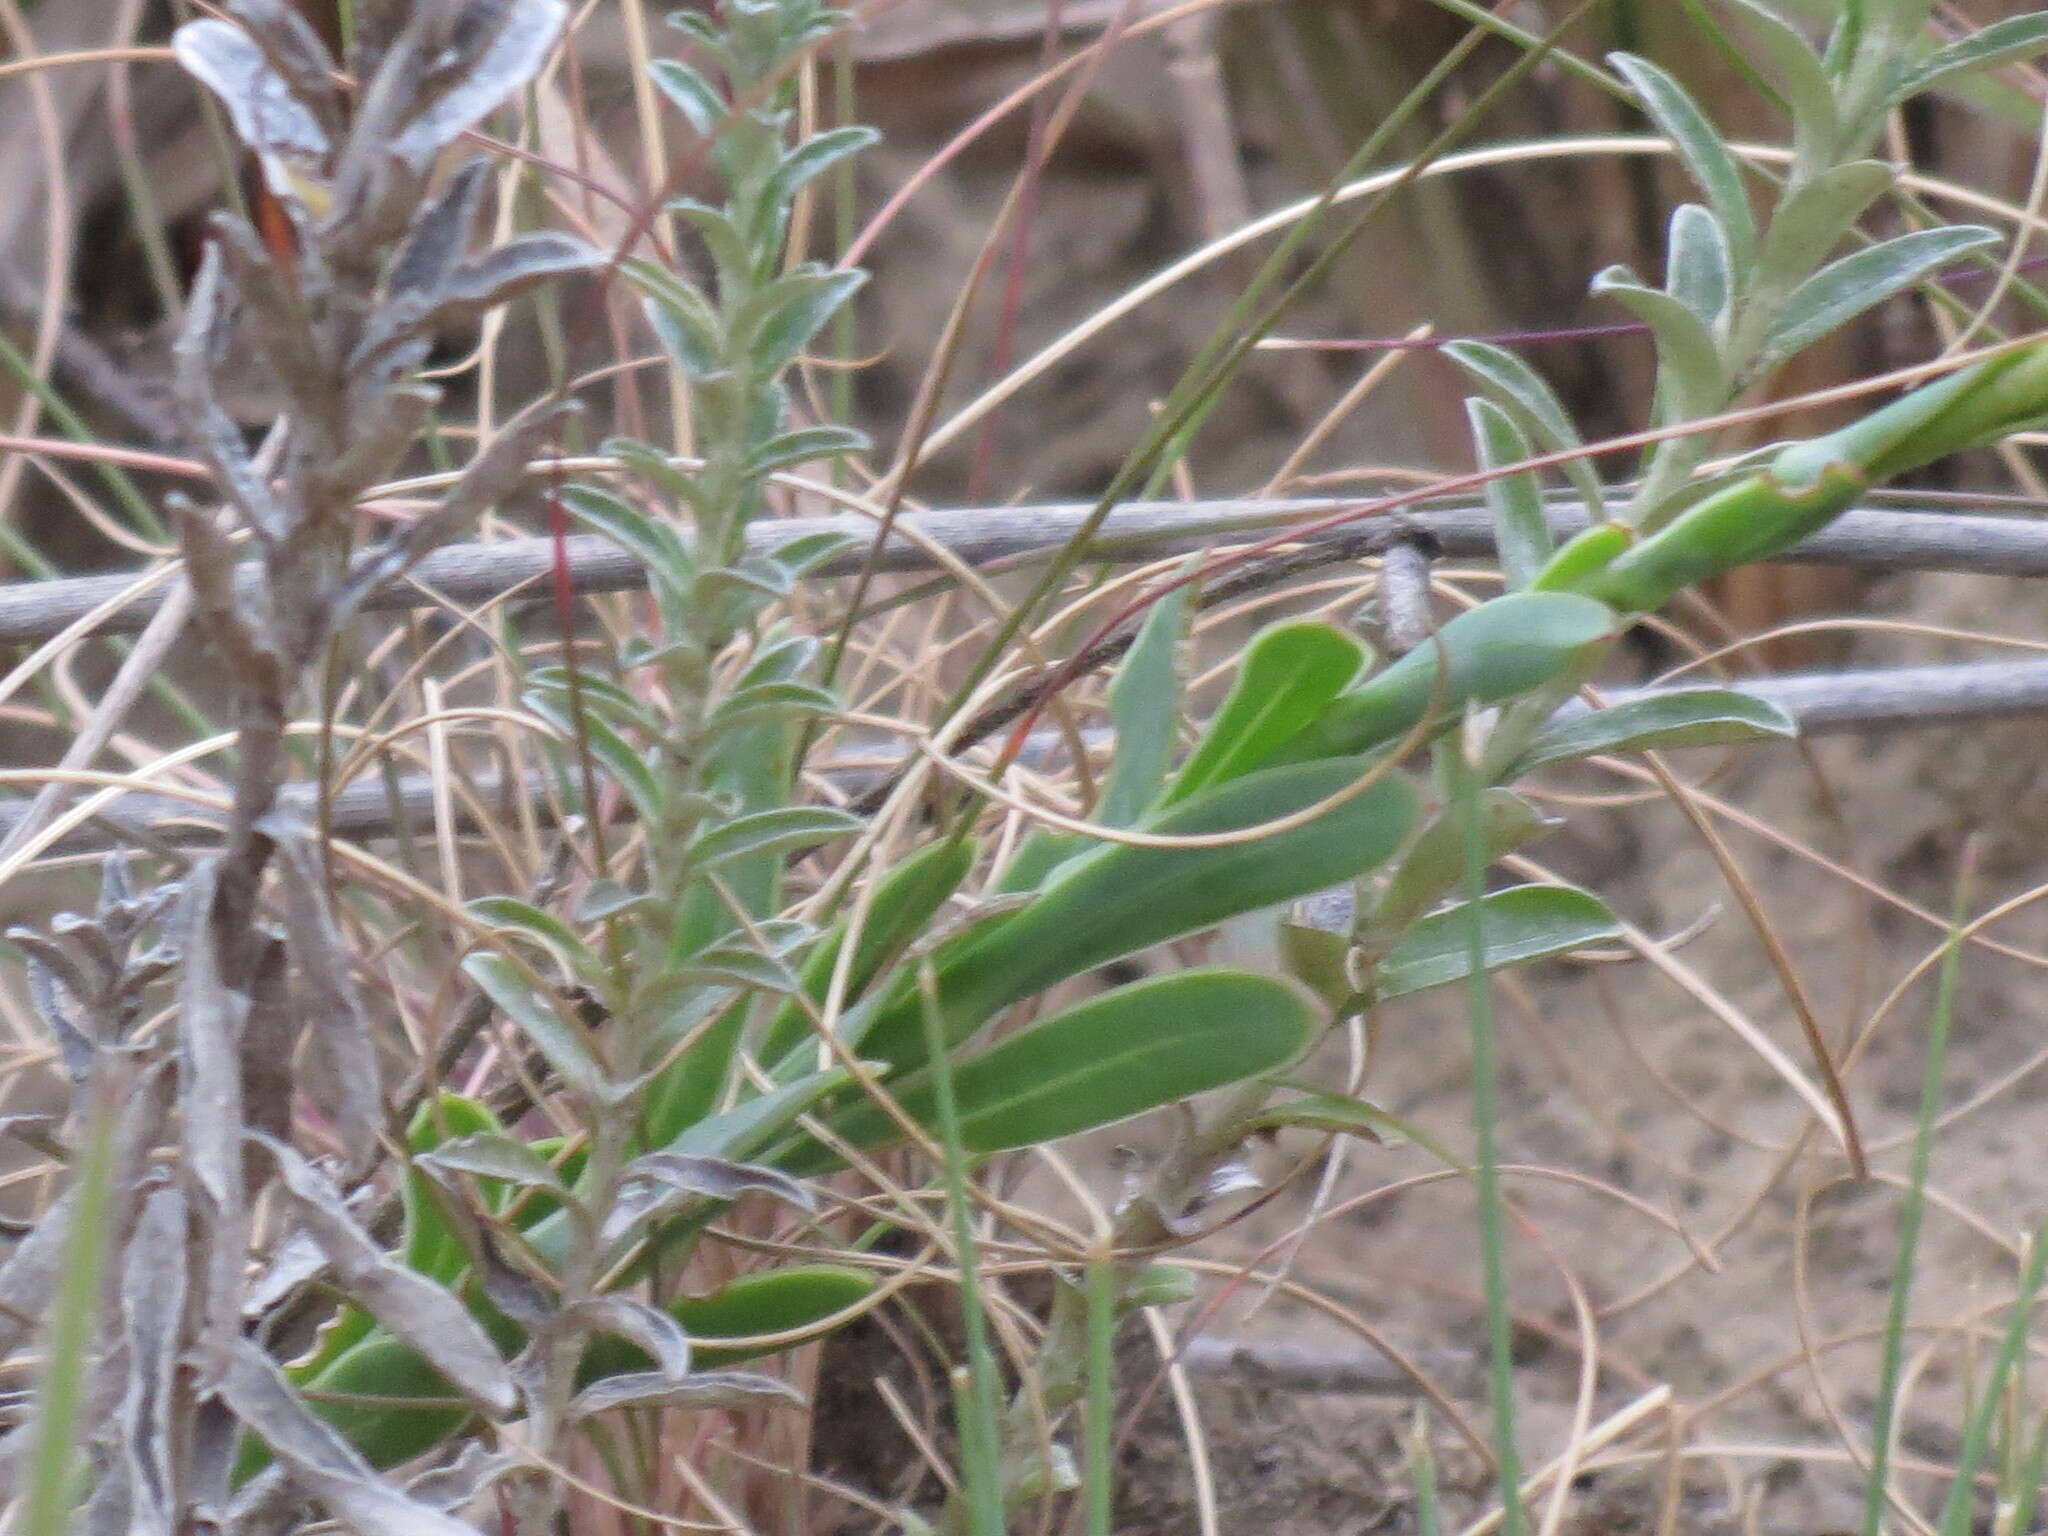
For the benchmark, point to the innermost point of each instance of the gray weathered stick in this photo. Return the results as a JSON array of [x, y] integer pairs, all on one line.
[[31, 612]]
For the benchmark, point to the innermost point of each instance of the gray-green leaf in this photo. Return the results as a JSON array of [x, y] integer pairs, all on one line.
[[1839, 292], [1523, 923], [1704, 717], [1700, 146]]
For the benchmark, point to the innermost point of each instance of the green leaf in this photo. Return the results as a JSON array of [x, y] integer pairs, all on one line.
[[1520, 391], [1289, 674], [1689, 373], [625, 763], [721, 236], [2000, 43], [655, 544], [545, 929], [1144, 706], [1705, 717], [1523, 923], [1151, 1043], [1121, 898], [804, 445], [1320, 961], [773, 326], [903, 906], [1434, 864], [1521, 529], [1698, 273], [688, 328], [812, 158], [1811, 222], [1679, 118], [775, 831], [1486, 655], [739, 966], [750, 1125], [1798, 73], [689, 90], [770, 701], [806, 552], [1337, 1115], [561, 1041], [1835, 295]]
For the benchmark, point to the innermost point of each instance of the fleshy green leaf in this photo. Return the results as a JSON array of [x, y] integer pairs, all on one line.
[[1841, 291], [1679, 118], [1523, 923], [1289, 674], [1434, 864], [1151, 1043], [1705, 717]]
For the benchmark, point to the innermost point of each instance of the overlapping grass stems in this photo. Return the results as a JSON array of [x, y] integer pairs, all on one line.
[[713, 1037]]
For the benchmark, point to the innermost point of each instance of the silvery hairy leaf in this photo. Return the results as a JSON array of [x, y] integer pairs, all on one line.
[[660, 1335], [497, 66], [321, 1461], [707, 1389], [30, 1276], [449, 1488], [413, 1307], [196, 355], [295, 54], [338, 1023], [440, 236], [653, 1185], [266, 115], [153, 1290]]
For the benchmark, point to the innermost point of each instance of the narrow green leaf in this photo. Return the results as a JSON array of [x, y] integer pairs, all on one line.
[[776, 1301], [1798, 73], [1520, 391], [491, 1155], [1690, 379], [561, 1041], [624, 762], [1523, 923], [544, 928], [804, 445], [2001, 43], [1835, 295], [1289, 674], [1151, 1043], [656, 544], [1705, 717], [773, 326], [1144, 707], [812, 158], [1521, 529], [689, 90], [1698, 271], [1811, 222], [1679, 118], [775, 831], [806, 552]]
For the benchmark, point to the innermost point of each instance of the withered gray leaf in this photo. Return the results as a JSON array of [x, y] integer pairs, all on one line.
[[472, 1471], [507, 61], [413, 1307], [153, 1289], [211, 1016], [653, 1185], [492, 1156], [649, 1327], [707, 1389], [266, 115], [296, 54], [441, 234], [338, 1022], [321, 1460]]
